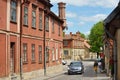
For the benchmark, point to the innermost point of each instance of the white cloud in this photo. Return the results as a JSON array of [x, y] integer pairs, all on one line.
[[87, 33], [81, 23], [94, 18], [71, 15], [70, 24], [67, 32], [102, 3]]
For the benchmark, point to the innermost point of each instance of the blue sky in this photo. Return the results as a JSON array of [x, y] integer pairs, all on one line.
[[81, 15]]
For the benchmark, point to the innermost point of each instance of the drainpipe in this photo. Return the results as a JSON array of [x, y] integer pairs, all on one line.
[[44, 43], [21, 39], [21, 66], [115, 53]]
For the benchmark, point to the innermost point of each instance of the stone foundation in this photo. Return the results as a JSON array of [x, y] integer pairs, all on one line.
[[39, 73], [35, 74]]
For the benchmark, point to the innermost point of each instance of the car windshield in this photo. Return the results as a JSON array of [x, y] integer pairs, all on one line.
[[75, 64]]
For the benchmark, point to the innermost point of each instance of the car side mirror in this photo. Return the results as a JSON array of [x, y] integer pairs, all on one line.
[[68, 65]]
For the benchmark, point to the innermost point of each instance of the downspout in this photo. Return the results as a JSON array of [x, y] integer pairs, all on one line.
[[21, 3], [115, 53], [44, 43]]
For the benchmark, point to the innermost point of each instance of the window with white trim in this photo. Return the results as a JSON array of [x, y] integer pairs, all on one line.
[[52, 25], [40, 53], [13, 10], [47, 23], [25, 52], [40, 20], [53, 53], [58, 29], [25, 15], [33, 52]]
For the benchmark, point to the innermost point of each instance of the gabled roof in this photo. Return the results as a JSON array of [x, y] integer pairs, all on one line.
[[111, 23], [86, 44], [46, 2], [56, 17], [112, 15], [73, 37], [67, 37]]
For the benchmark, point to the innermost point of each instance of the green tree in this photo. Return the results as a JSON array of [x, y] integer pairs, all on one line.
[[95, 37], [82, 35]]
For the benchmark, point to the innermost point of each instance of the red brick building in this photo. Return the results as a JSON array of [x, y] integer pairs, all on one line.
[[28, 30]]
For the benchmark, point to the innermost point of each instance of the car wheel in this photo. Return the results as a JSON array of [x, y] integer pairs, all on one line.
[[69, 73], [80, 73]]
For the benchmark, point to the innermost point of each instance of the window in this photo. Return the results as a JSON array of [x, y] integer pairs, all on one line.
[[40, 53], [34, 16], [34, 19], [24, 52], [53, 26], [61, 51], [59, 29], [66, 52], [56, 45], [56, 54], [65, 43], [33, 52], [40, 21], [25, 15], [47, 23], [47, 54], [13, 10], [53, 54]]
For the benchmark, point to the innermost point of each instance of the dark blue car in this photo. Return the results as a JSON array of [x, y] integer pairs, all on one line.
[[76, 67]]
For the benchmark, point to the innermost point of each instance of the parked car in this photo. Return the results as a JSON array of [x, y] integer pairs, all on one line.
[[76, 67], [64, 62]]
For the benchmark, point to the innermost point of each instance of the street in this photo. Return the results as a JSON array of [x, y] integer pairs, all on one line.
[[88, 74]]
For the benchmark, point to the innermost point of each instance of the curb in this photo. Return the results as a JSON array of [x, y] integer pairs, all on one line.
[[53, 76]]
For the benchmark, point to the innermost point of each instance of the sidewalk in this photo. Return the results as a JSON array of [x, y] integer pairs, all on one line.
[[48, 76], [99, 76]]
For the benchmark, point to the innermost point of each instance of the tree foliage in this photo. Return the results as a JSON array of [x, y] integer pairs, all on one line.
[[95, 37], [82, 35]]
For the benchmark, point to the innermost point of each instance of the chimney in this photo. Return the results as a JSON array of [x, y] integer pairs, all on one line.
[[70, 33], [61, 7], [78, 32]]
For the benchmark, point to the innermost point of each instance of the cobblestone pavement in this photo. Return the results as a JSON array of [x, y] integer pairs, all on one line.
[[87, 76]]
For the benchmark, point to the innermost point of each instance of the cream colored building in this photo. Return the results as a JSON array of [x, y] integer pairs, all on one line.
[[75, 47]]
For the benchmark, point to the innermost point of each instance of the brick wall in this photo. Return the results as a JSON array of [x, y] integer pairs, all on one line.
[[118, 51]]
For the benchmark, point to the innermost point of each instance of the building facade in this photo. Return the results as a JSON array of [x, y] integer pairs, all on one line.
[[112, 41], [30, 38], [75, 47]]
